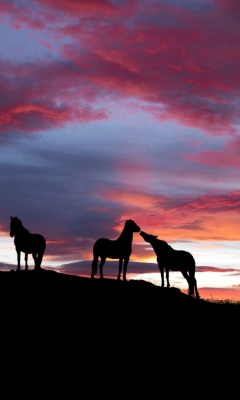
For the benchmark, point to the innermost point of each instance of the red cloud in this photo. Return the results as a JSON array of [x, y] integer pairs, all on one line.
[[43, 13], [39, 98], [105, 7], [182, 63], [19, 117], [213, 204]]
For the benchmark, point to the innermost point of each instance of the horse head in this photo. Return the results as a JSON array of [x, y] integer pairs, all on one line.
[[132, 225], [14, 224], [148, 238]]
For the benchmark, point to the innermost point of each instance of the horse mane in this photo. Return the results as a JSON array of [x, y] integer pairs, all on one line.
[[19, 222], [163, 244]]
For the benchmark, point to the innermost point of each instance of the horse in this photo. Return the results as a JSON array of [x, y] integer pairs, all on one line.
[[28, 243], [174, 260], [120, 248]]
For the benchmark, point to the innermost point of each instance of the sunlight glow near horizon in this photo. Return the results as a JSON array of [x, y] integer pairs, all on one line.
[[204, 279], [213, 283]]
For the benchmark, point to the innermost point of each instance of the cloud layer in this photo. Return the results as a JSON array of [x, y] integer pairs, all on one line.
[[182, 60], [116, 109]]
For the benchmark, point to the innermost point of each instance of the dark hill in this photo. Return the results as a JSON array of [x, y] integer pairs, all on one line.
[[67, 331], [55, 297]]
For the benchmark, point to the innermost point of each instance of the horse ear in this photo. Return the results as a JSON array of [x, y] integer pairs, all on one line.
[[156, 237], [11, 217]]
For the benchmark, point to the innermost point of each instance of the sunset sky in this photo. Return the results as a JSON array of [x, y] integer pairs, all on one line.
[[123, 109]]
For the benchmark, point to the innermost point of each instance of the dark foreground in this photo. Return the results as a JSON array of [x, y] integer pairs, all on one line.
[[56, 301], [74, 336]]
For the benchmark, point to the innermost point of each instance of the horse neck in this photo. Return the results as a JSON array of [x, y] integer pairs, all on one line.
[[161, 245], [126, 235], [22, 231]]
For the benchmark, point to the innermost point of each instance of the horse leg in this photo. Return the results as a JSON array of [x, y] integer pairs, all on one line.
[[18, 259], [120, 268], [26, 260], [161, 271], [125, 269], [94, 266], [189, 281], [37, 260], [167, 277], [34, 255], [195, 286], [103, 259]]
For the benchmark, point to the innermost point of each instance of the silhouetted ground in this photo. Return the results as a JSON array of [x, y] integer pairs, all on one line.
[[70, 332], [54, 299]]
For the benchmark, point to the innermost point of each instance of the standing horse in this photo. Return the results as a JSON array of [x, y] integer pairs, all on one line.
[[174, 260], [120, 248], [28, 243]]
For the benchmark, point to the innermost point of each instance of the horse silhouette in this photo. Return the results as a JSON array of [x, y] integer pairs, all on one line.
[[120, 248], [28, 243], [174, 260]]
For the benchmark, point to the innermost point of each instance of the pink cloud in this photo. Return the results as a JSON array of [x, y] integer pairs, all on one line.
[[19, 117], [183, 63], [105, 7], [213, 203], [227, 158], [41, 13], [47, 45], [38, 98]]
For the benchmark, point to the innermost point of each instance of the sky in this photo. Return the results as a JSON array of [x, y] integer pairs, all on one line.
[[120, 109]]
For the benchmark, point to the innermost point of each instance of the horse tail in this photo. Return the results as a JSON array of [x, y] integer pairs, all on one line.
[[41, 252], [193, 281], [191, 285]]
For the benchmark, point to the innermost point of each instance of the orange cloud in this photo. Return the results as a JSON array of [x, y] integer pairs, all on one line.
[[213, 217], [224, 294]]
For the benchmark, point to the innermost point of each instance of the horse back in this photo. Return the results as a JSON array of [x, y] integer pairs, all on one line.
[[176, 260], [111, 248], [39, 241], [30, 243], [185, 258]]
